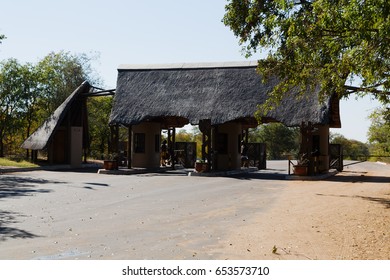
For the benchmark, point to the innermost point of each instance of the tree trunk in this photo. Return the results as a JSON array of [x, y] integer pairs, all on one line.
[[28, 135], [1, 149]]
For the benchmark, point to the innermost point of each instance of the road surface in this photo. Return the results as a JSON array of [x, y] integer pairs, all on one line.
[[79, 215]]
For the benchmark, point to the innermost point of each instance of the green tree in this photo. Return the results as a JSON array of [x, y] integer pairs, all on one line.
[[352, 149], [185, 136], [317, 42], [280, 140], [379, 132], [60, 74], [30, 96], [193, 135], [99, 109], [11, 101]]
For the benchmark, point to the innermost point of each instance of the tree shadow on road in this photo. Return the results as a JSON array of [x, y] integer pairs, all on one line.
[[358, 177], [7, 218], [380, 200], [384, 201], [260, 176], [14, 187]]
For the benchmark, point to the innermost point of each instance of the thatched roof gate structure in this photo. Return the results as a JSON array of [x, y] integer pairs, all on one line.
[[211, 95]]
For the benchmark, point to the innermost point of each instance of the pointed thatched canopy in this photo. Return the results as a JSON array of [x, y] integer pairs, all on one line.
[[221, 92], [42, 136]]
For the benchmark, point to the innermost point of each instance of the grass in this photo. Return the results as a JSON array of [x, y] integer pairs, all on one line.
[[16, 163]]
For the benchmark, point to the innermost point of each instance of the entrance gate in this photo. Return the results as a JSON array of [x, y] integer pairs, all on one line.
[[336, 157]]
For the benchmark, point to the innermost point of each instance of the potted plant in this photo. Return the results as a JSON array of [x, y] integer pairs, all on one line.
[[201, 166], [111, 162], [301, 168]]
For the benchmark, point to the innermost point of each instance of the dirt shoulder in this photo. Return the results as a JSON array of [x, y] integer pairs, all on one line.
[[345, 217]]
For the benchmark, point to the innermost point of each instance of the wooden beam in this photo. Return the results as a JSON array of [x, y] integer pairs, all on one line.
[[100, 93], [129, 146]]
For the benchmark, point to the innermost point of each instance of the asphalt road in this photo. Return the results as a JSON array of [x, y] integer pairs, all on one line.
[[55, 215]]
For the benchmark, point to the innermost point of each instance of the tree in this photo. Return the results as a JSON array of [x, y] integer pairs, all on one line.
[[193, 135], [352, 149], [11, 100], [99, 109], [280, 140], [184, 136], [60, 74], [379, 132], [317, 42], [30, 97]]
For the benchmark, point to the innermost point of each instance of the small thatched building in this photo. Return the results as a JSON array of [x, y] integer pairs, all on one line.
[[65, 133], [221, 98]]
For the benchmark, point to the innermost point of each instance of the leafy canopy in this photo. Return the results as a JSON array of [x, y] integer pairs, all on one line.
[[379, 132], [61, 73], [280, 140], [352, 149], [319, 42]]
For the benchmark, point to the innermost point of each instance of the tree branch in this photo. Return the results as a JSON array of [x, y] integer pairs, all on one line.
[[353, 89]]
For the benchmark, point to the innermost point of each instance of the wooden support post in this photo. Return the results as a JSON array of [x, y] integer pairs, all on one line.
[[244, 135], [169, 139], [84, 124], [129, 146], [68, 142], [114, 149], [307, 145], [213, 144], [205, 128], [204, 146], [171, 145]]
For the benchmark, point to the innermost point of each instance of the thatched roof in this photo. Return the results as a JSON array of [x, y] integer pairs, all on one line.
[[42, 136], [221, 92]]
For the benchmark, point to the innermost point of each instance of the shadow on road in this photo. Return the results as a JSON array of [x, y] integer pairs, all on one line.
[[359, 177], [7, 218], [14, 187], [384, 201], [260, 176]]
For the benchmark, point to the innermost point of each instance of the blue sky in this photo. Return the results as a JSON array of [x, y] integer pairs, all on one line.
[[136, 32]]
